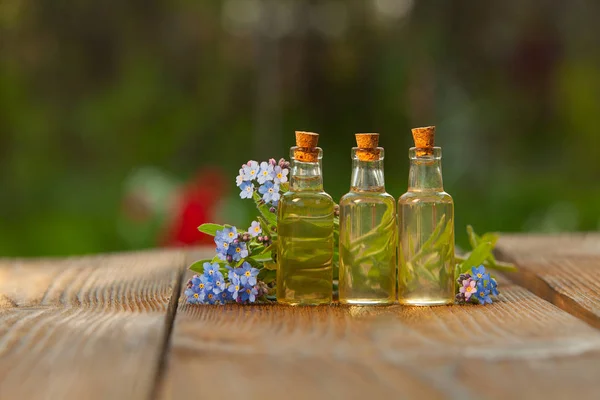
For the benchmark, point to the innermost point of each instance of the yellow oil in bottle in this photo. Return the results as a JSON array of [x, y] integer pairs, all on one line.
[[425, 228], [367, 248], [305, 229], [426, 251]]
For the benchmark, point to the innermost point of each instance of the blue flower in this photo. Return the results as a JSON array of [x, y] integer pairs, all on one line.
[[222, 246], [265, 173], [224, 297], [210, 269], [211, 298], [247, 274], [255, 229], [249, 294], [195, 292], [479, 273], [193, 296], [240, 178], [483, 293], [494, 287], [280, 175], [218, 281], [234, 285], [251, 171], [238, 251], [270, 191], [205, 284], [247, 190], [229, 234]]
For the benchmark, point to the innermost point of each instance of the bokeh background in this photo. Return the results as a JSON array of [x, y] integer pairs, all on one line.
[[123, 123]]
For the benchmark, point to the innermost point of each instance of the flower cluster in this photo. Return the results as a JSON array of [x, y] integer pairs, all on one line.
[[231, 246], [269, 175], [212, 287], [477, 287]]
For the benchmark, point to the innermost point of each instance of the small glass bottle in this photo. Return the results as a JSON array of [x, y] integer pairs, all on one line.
[[367, 230], [426, 228], [305, 230]]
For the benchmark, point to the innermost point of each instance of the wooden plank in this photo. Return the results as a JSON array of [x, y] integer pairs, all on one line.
[[521, 346], [531, 246], [563, 269], [88, 327]]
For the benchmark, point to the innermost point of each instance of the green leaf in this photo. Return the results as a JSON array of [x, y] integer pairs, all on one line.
[[262, 258], [267, 275], [477, 256], [198, 266], [490, 237], [473, 238], [210, 229]]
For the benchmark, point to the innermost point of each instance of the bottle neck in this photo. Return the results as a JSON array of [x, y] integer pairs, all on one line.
[[367, 176], [425, 172], [306, 176]]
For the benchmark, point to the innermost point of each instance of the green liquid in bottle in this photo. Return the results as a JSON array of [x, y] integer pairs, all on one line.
[[367, 248], [305, 236], [305, 230]]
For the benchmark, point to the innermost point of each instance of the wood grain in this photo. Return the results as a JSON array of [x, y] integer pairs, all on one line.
[[87, 327], [563, 269], [521, 346], [532, 246]]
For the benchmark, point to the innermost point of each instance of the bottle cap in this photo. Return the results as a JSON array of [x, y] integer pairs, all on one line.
[[424, 140], [307, 146], [367, 146]]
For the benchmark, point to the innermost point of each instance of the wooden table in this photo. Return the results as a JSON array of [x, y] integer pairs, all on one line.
[[115, 327]]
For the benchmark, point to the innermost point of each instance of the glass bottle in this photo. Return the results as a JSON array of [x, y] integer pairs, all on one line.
[[305, 230], [426, 229], [367, 230]]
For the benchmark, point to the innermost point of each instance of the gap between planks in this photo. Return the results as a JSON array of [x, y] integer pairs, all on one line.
[[562, 269]]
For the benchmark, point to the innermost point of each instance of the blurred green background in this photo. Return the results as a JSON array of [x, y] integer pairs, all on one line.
[[111, 111]]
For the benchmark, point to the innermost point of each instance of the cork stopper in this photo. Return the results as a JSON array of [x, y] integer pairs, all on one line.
[[307, 146], [424, 140], [367, 146]]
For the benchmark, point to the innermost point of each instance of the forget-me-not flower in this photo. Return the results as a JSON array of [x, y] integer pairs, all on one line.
[[210, 269], [247, 274], [493, 287], [195, 292], [251, 171], [280, 174], [249, 294], [479, 273], [240, 178], [468, 288], [247, 190], [234, 285], [230, 234], [483, 293], [218, 281], [238, 251], [222, 246], [224, 297], [205, 284], [255, 229], [265, 173], [270, 191], [193, 296], [211, 298]]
